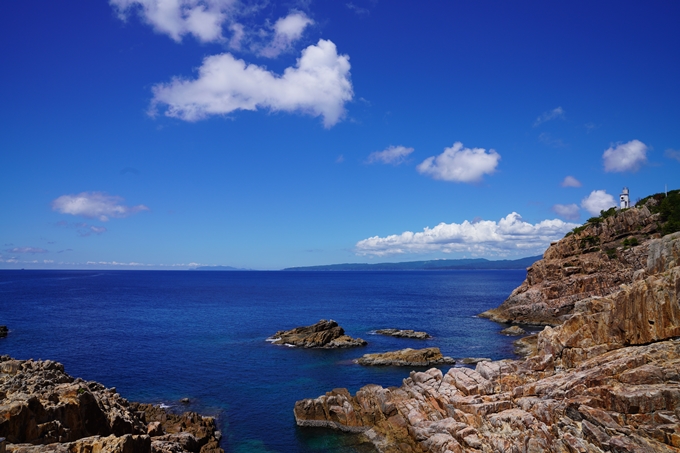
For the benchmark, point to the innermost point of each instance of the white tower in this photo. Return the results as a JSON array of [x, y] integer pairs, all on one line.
[[625, 199]]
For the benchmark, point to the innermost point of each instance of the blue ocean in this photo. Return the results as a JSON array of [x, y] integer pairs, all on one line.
[[160, 336]]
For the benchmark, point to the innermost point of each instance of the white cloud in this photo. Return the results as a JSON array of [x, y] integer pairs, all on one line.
[[176, 18], [672, 154], [625, 156], [509, 235], [550, 115], [318, 85], [597, 201], [567, 211], [394, 155], [570, 181], [460, 164], [287, 30], [95, 205], [26, 250]]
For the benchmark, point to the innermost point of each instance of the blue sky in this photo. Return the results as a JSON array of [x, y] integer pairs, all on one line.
[[164, 134]]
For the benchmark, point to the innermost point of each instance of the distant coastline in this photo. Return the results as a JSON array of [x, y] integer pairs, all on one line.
[[470, 263]]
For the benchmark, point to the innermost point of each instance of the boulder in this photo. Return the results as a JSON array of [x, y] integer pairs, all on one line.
[[399, 333], [514, 330], [406, 357], [3, 331], [324, 334]]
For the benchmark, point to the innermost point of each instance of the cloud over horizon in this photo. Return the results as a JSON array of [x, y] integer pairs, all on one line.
[[95, 205], [318, 85], [459, 164], [507, 236], [625, 157], [394, 155], [598, 200], [27, 250]]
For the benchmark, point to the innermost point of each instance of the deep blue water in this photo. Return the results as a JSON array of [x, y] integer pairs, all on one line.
[[162, 336]]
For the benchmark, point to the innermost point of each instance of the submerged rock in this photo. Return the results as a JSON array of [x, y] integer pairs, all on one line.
[[514, 330], [44, 409], [324, 334], [406, 357], [401, 333]]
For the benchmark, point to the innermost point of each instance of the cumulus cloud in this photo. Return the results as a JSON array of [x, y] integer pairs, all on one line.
[[318, 85], [26, 250], [549, 115], [672, 154], [394, 155], [96, 205], [176, 18], [567, 211], [625, 156], [597, 201], [570, 181], [509, 235], [459, 164], [287, 30]]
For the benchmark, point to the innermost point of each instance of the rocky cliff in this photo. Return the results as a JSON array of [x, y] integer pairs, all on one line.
[[44, 409], [593, 261], [606, 379]]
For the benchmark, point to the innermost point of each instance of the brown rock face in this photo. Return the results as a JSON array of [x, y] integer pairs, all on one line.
[[324, 334], [608, 379], [592, 262], [406, 357], [44, 409]]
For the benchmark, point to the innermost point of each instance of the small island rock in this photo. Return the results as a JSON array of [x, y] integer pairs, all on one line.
[[405, 333], [514, 330], [326, 334], [474, 360], [3, 331], [407, 357]]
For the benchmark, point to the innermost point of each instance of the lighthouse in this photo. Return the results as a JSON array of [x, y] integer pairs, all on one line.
[[625, 198]]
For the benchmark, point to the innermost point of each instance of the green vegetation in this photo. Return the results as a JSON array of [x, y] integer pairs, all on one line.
[[668, 208], [590, 241], [611, 253], [630, 242]]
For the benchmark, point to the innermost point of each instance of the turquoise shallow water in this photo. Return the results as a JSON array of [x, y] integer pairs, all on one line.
[[162, 336]]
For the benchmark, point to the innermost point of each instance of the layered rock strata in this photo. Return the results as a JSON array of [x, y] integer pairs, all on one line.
[[406, 357], [44, 409], [324, 334], [591, 262], [608, 379], [404, 333]]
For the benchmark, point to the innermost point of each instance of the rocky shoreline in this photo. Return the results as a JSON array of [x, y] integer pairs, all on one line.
[[604, 377], [43, 409], [406, 357], [404, 333]]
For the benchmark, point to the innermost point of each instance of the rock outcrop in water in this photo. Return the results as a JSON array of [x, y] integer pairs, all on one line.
[[401, 333], [607, 379], [3, 331], [324, 334], [406, 357], [44, 409]]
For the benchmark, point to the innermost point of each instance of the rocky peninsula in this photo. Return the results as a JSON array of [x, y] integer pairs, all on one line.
[[404, 333], [324, 334], [603, 375], [43, 409], [406, 357]]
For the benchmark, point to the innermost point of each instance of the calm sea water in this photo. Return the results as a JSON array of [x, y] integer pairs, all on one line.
[[162, 336]]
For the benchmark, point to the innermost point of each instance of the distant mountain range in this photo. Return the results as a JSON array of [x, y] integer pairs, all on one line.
[[217, 268], [473, 263]]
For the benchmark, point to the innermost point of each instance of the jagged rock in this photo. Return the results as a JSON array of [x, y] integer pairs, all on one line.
[[514, 330], [406, 357], [404, 333], [579, 266], [607, 379], [3, 331], [43, 406], [524, 347], [324, 334]]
